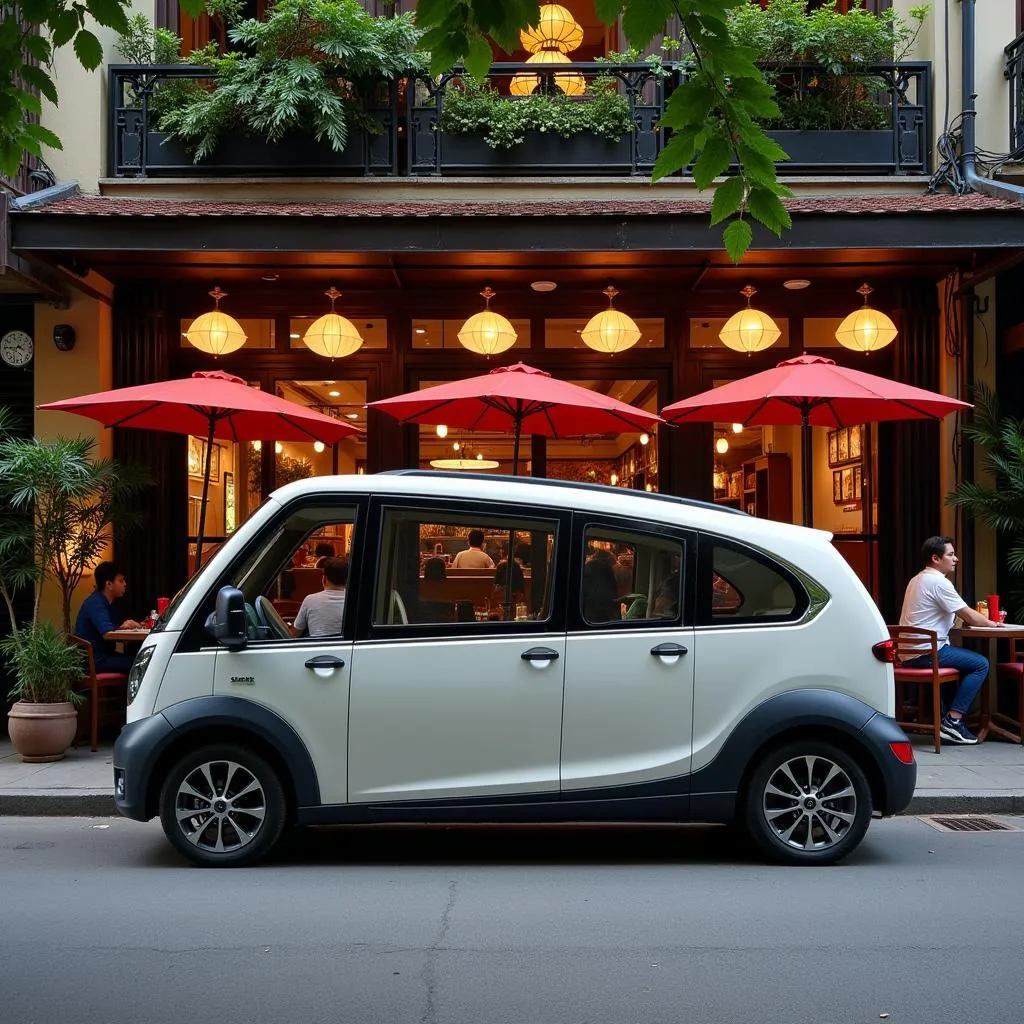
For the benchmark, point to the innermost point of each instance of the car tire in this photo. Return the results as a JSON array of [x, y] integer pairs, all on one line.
[[807, 802], [238, 802]]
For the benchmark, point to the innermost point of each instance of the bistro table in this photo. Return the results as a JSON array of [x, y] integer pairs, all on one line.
[[985, 635], [128, 636]]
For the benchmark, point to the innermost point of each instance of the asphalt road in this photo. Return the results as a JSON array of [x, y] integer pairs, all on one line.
[[101, 922]]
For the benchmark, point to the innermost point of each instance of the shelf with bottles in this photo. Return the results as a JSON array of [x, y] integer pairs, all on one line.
[[637, 466]]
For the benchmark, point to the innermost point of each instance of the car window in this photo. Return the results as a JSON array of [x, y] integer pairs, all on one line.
[[442, 567], [296, 585], [747, 586], [628, 577]]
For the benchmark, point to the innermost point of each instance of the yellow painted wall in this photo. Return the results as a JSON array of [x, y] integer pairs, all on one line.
[[85, 369]]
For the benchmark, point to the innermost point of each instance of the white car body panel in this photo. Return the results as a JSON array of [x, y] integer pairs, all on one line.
[[457, 717]]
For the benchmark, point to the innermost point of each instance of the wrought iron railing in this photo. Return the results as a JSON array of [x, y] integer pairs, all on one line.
[[138, 148], [1014, 72], [413, 141]]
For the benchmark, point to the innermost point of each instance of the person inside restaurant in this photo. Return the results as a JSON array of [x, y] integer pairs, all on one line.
[[95, 618], [323, 613], [473, 557]]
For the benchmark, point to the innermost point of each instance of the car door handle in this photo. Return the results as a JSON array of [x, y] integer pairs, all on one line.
[[669, 651], [539, 654], [325, 661]]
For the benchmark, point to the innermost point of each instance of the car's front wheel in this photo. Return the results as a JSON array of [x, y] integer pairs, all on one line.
[[222, 806], [808, 803]]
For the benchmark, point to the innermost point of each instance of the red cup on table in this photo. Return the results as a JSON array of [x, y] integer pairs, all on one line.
[[993, 607], [161, 604]]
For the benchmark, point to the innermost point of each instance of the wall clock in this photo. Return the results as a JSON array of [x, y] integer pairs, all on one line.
[[16, 348]]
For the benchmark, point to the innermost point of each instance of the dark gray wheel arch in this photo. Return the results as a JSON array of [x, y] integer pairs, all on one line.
[[146, 745]]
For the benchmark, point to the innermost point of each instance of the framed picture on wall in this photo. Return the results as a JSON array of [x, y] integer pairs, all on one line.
[[843, 453], [848, 483], [214, 462], [855, 440], [230, 514], [195, 456], [833, 447], [857, 486], [837, 486]]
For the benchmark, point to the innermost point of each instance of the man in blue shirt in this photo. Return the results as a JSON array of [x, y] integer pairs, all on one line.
[[94, 618]]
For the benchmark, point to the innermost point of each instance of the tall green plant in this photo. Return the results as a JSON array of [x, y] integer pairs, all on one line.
[[999, 505], [58, 508], [307, 67]]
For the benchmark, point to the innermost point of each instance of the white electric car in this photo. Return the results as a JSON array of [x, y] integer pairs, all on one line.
[[604, 655]]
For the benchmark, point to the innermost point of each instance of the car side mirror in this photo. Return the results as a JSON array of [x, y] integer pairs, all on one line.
[[227, 624]]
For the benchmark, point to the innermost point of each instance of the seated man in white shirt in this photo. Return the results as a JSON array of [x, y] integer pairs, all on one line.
[[473, 557], [323, 613], [931, 602]]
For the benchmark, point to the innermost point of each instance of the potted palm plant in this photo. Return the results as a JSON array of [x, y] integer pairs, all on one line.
[[58, 506]]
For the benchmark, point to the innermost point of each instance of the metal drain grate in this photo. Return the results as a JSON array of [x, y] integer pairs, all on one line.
[[967, 823]]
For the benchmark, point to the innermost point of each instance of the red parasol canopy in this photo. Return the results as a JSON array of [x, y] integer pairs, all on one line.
[[210, 404], [813, 392], [520, 397]]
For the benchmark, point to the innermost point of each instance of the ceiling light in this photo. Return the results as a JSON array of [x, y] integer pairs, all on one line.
[[270, 277], [421, 330], [749, 330], [278, 447], [487, 333], [318, 446], [215, 332], [293, 335], [737, 428], [645, 438], [866, 330], [456, 446], [334, 394], [611, 330], [257, 446], [441, 430], [543, 286], [351, 415], [476, 463], [795, 284], [332, 336], [722, 445]]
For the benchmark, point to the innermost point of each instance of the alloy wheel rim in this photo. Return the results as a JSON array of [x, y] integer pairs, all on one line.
[[220, 806], [810, 803]]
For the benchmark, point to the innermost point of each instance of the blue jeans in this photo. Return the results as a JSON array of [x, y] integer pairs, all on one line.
[[973, 668]]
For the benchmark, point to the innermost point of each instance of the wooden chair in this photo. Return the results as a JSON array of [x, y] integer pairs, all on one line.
[[107, 688], [1012, 672], [913, 642]]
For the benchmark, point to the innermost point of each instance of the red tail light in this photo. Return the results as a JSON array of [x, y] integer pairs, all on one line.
[[885, 650], [903, 751]]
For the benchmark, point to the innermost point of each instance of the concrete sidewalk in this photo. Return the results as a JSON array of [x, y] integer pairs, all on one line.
[[986, 779]]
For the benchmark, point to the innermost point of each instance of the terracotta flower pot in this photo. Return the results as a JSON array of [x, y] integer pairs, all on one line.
[[42, 732]]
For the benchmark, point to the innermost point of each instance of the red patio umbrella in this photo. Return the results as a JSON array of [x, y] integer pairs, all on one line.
[[813, 392], [210, 403], [520, 397]]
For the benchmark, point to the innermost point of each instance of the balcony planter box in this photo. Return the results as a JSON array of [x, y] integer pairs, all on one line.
[[242, 155], [539, 153], [836, 152]]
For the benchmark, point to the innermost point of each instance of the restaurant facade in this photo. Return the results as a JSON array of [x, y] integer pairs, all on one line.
[[134, 252]]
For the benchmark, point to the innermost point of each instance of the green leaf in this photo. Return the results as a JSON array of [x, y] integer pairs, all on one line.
[[677, 154], [36, 11], [642, 20], [478, 60], [728, 199], [38, 47], [39, 79], [110, 13], [29, 102], [44, 135], [688, 105], [767, 208], [713, 160], [756, 166], [737, 238], [608, 10], [65, 25], [88, 50]]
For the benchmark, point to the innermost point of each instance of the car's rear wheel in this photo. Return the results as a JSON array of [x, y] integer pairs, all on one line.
[[222, 806], [807, 803]]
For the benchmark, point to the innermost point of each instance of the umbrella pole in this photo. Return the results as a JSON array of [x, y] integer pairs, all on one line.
[[206, 494], [806, 471]]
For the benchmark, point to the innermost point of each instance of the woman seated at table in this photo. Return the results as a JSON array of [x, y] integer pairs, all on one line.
[[500, 593]]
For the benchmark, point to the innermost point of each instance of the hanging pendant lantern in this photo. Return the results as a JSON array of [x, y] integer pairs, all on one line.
[[611, 330], [215, 332], [332, 335], [555, 27], [749, 330], [866, 330], [487, 333], [570, 83]]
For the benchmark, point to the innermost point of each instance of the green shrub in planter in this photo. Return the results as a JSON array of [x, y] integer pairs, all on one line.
[[46, 666]]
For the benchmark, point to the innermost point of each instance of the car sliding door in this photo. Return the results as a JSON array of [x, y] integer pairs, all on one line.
[[456, 686]]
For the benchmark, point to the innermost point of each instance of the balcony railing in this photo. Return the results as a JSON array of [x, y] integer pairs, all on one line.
[[413, 141], [1014, 72]]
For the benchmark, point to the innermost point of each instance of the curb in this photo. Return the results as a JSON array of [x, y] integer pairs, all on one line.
[[90, 804]]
